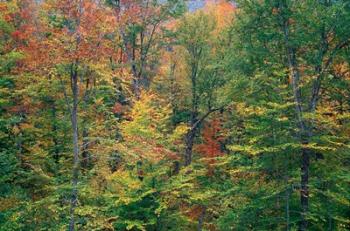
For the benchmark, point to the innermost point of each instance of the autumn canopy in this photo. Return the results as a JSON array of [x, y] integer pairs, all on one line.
[[174, 115]]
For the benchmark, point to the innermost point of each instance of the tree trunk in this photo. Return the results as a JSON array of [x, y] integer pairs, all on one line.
[[74, 121], [189, 146], [136, 75], [201, 219], [287, 208], [195, 124], [194, 112], [304, 188], [85, 154], [304, 133], [85, 163], [173, 89], [54, 128]]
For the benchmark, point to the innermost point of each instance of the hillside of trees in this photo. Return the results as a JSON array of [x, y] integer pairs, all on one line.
[[173, 115]]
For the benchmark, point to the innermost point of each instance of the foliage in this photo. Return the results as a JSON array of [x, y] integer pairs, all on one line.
[[133, 87]]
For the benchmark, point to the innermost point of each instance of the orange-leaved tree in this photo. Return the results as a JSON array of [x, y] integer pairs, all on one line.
[[211, 146]]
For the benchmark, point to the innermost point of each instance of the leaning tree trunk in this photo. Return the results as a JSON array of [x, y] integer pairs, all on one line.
[[74, 121]]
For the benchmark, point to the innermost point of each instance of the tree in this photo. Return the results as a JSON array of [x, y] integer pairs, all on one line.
[[307, 52], [140, 31], [195, 34], [75, 33]]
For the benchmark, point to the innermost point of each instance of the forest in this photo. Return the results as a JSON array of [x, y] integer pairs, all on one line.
[[178, 115]]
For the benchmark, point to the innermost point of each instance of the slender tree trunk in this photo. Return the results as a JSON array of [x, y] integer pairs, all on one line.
[[136, 75], [74, 121], [329, 208], [287, 209], [54, 131], [201, 219], [85, 154], [304, 132], [304, 190], [194, 112], [85, 162], [189, 146], [173, 88]]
